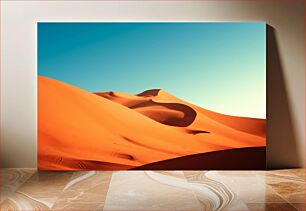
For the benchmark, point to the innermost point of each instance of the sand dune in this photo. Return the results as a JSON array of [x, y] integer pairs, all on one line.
[[249, 125], [174, 114], [112, 130]]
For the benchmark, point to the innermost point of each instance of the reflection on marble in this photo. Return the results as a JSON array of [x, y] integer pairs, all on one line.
[[28, 189], [148, 190], [85, 191]]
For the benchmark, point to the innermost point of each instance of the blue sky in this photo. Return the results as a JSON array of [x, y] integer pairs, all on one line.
[[218, 66]]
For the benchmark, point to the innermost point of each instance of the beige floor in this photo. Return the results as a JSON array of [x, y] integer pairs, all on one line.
[[27, 189]]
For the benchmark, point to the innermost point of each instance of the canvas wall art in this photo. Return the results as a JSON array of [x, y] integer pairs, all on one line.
[[151, 96]]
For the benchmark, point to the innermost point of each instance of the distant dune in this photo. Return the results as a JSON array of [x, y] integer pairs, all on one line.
[[112, 131]]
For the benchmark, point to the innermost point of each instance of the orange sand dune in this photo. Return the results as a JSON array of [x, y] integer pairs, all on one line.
[[249, 125], [81, 130]]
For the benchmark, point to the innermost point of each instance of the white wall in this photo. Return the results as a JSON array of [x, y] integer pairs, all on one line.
[[286, 62]]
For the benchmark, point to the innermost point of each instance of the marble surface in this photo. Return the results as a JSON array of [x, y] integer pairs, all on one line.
[[12, 179], [28, 189]]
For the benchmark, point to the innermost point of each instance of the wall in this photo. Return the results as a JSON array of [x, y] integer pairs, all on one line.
[[285, 63]]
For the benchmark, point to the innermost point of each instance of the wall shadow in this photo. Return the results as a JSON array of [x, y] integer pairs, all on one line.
[[281, 140]]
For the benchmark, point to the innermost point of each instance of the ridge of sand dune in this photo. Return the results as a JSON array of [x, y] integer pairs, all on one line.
[[151, 92], [174, 114], [159, 95], [81, 130], [122, 98], [154, 96]]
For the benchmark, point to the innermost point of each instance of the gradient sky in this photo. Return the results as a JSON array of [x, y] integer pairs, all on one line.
[[218, 66]]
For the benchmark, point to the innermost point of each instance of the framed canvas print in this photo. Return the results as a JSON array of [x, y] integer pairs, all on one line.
[[151, 95]]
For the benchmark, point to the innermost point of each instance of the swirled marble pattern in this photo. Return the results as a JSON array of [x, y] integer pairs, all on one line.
[[28, 189], [12, 179], [212, 194]]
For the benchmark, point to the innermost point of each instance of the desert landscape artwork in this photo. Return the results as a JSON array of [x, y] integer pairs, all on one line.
[[151, 95]]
